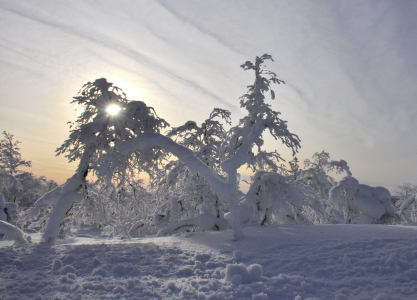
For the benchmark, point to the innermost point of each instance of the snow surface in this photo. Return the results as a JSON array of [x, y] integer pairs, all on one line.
[[274, 262]]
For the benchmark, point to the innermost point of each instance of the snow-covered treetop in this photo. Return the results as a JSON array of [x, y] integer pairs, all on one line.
[[205, 139], [97, 132], [261, 84], [321, 161], [238, 147], [340, 166]]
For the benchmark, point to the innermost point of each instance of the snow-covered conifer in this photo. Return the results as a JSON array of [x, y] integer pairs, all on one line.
[[238, 148]]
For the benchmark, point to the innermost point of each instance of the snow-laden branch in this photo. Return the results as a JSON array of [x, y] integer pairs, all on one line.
[[224, 190], [204, 221], [185, 155]]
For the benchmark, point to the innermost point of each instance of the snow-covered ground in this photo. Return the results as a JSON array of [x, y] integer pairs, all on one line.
[[275, 262]]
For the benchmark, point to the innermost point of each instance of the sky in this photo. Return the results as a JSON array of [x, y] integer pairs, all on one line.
[[350, 70]]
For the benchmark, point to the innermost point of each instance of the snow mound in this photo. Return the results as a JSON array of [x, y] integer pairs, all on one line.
[[361, 203], [238, 273], [12, 233]]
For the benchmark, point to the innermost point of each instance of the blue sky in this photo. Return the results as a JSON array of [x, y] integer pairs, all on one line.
[[350, 70]]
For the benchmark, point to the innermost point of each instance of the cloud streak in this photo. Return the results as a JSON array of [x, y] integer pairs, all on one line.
[[350, 67], [112, 44]]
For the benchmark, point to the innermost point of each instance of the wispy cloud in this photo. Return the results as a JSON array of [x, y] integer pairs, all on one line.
[[110, 42], [350, 66]]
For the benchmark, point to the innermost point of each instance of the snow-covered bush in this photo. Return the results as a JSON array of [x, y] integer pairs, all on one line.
[[24, 188], [112, 209], [361, 203], [275, 199]]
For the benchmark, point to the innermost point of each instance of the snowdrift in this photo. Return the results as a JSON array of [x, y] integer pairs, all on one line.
[[273, 262]]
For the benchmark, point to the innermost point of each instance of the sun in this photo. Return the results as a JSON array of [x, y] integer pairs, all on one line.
[[113, 109]]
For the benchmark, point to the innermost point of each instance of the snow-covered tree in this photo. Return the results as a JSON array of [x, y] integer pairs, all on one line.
[[94, 140], [10, 161], [19, 188], [10, 156], [98, 131], [361, 203], [188, 191], [205, 140], [321, 160], [405, 191], [316, 173], [316, 179], [9, 231], [25, 188], [294, 170], [407, 201], [238, 148]]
